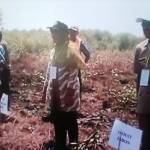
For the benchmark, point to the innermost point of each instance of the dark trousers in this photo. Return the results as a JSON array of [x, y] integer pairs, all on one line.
[[144, 124], [5, 78], [65, 122]]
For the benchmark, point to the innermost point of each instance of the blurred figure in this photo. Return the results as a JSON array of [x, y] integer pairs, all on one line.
[[4, 67], [142, 69], [62, 87], [74, 37]]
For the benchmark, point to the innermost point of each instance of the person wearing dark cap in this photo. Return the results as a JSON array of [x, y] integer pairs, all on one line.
[[142, 69], [61, 86], [74, 37]]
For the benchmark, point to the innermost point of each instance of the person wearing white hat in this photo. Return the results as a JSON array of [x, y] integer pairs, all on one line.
[[74, 37]]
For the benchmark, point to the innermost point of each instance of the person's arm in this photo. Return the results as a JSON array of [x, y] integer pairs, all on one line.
[[137, 68], [7, 59], [136, 61], [85, 51], [75, 60], [47, 74], [6, 54], [45, 83], [2, 54]]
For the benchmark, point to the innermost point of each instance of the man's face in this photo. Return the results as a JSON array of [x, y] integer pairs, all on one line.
[[56, 37], [146, 30], [73, 35]]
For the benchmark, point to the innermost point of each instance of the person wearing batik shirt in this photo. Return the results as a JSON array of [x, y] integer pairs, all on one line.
[[81, 47], [62, 87]]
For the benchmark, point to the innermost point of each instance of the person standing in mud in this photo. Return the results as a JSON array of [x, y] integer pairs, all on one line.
[[142, 69], [4, 67], [74, 37], [62, 87]]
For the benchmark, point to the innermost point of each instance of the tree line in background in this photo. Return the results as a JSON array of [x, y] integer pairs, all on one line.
[[104, 40], [22, 41]]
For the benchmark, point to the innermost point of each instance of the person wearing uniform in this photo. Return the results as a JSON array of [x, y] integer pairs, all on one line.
[[62, 87], [142, 69], [80, 46]]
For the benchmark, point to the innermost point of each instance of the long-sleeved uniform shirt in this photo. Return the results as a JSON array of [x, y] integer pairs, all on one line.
[[142, 61]]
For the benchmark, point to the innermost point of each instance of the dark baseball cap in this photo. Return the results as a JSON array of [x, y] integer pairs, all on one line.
[[144, 22], [59, 26]]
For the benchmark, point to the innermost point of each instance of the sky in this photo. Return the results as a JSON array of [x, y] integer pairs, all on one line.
[[115, 16]]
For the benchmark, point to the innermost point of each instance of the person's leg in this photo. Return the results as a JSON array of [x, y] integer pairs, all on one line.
[[72, 127], [5, 79], [144, 124], [60, 137], [60, 132]]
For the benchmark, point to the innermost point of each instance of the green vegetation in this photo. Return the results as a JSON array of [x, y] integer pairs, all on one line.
[[39, 40], [104, 40], [27, 41]]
